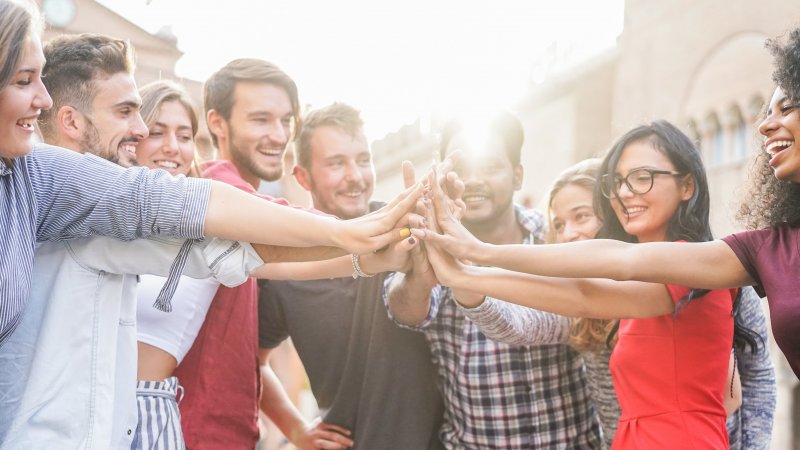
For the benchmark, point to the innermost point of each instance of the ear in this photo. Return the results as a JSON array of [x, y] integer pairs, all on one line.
[[70, 123], [518, 172], [217, 124], [303, 177], [687, 187]]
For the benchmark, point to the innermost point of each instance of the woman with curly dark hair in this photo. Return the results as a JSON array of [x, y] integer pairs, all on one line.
[[767, 258]]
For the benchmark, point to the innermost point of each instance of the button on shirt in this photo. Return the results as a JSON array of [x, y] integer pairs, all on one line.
[[55, 194], [501, 396]]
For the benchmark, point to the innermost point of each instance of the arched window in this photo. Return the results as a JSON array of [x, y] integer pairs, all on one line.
[[693, 131], [738, 132], [715, 137]]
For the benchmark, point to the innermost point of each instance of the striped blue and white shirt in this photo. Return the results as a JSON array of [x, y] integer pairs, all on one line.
[[54, 194]]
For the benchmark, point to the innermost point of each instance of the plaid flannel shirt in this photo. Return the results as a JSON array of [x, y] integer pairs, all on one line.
[[500, 396]]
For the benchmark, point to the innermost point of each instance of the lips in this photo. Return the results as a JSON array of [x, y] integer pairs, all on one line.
[[129, 147], [474, 197], [27, 124], [776, 148], [165, 164]]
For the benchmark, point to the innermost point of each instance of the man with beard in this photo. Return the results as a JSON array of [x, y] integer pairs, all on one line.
[[251, 109], [68, 372], [374, 381], [496, 395]]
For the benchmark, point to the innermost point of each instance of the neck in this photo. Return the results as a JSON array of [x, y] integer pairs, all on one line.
[[68, 144], [249, 177], [503, 230]]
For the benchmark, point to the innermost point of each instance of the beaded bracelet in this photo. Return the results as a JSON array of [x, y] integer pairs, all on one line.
[[357, 272]]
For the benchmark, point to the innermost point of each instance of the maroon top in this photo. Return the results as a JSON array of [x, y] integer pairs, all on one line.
[[220, 373], [772, 258]]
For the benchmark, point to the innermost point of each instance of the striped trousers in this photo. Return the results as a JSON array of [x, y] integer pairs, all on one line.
[[159, 426]]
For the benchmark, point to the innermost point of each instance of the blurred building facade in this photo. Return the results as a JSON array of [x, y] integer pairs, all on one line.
[[700, 64]]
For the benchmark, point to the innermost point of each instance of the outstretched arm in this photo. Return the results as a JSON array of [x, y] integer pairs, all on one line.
[[593, 298], [711, 265], [234, 214]]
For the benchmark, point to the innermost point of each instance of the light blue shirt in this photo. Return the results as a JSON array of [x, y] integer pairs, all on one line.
[[54, 194]]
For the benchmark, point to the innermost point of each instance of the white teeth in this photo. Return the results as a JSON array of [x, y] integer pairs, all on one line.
[[353, 194], [167, 164], [636, 209], [130, 148], [26, 123], [474, 198], [776, 146]]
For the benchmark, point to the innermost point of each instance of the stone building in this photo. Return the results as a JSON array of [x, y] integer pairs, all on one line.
[[700, 64]]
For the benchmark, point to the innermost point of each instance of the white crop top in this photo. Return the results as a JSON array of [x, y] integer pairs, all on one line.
[[174, 332]]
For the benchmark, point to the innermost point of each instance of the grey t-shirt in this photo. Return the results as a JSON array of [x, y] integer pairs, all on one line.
[[367, 374]]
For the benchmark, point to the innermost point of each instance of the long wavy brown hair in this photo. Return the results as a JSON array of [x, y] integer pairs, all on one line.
[[585, 335]]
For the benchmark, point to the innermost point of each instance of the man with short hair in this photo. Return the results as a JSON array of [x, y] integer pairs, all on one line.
[[95, 100], [251, 110], [374, 382], [497, 396], [69, 370]]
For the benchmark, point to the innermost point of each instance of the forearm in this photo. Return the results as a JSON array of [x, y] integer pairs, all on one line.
[[281, 254], [710, 265], [518, 325], [409, 299], [276, 405], [337, 267], [236, 215], [592, 298]]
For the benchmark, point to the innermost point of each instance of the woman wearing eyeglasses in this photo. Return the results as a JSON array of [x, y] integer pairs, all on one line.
[[671, 360]]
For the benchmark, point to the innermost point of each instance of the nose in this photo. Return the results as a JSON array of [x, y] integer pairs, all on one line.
[[138, 128], [353, 172], [170, 144], [624, 191], [42, 99], [279, 134], [768, 125], [570, 233]]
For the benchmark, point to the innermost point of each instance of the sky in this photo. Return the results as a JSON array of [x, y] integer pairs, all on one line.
[[395, 61]]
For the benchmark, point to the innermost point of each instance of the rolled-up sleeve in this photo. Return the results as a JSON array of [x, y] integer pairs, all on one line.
[[438, 294], [83, 195]]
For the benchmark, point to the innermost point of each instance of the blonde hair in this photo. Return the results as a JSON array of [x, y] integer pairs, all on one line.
[[585, 335], [159, 92]]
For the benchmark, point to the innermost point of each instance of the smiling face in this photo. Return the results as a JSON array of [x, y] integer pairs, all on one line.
[[170, 144], [258, 131], [647, 216], [113, 128], [490, 179], [21, 102], [573, 217], [341, 175], [781, 130]]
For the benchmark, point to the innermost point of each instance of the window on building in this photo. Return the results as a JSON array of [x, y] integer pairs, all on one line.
[[738, 128], [715, 137]]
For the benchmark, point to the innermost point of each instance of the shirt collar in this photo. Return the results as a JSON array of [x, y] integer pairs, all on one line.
[[4, 169], [532, 221]]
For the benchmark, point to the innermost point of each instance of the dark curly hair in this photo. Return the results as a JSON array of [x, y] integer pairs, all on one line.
[[767, 200]]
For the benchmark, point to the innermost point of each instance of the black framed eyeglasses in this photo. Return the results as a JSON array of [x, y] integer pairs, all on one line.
[[639, 181]]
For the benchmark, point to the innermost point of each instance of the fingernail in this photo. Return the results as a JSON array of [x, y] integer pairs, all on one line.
[[412, 241]]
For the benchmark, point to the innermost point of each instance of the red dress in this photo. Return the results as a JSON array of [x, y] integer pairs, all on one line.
[[670, 374]]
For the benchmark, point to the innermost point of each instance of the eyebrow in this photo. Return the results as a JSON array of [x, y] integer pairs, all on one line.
[[180, 127], [129, 103]]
